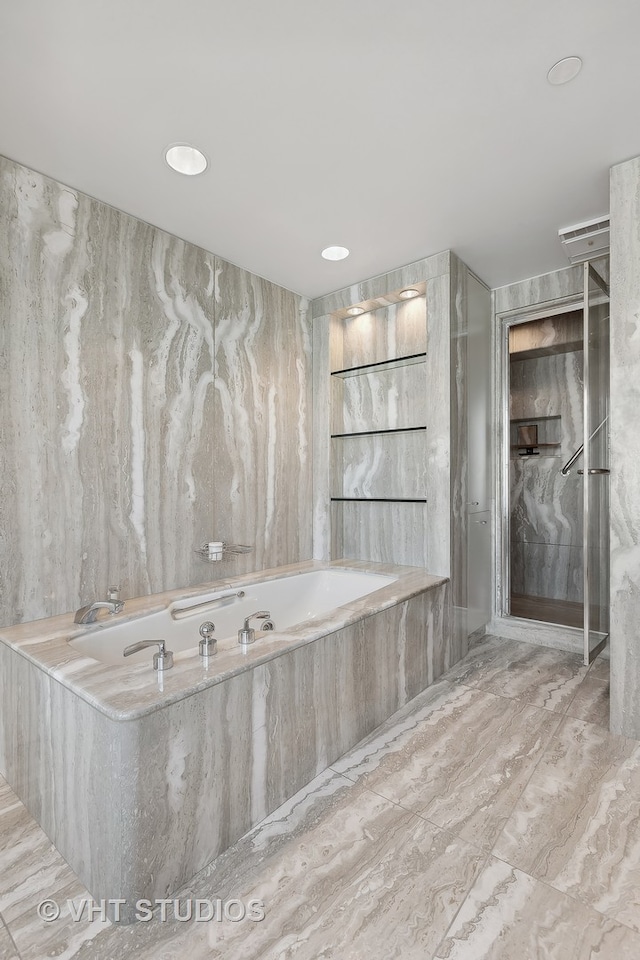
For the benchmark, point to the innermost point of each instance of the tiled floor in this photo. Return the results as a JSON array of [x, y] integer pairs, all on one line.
[[494, 818]]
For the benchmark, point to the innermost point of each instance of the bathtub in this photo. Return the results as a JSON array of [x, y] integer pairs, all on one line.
[[290, 601], [141, 778]]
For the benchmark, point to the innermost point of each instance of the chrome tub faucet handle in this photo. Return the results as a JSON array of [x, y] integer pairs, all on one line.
[[248, 634], [162, 660]]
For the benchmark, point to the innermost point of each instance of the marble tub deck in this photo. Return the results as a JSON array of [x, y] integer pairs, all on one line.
[[494, 816]]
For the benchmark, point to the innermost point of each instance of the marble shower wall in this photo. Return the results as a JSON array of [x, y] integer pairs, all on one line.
[[625, 448], [151, 397], [545, 507]]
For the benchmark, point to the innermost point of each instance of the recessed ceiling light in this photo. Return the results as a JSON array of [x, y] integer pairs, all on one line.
[[183, 158], [564, 70], [355, 311], [335, 253], [408, 293]]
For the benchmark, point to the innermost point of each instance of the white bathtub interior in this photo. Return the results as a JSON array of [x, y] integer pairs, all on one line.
[[289, 600]]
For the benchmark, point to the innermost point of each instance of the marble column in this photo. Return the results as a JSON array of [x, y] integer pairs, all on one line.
[[625, 448]]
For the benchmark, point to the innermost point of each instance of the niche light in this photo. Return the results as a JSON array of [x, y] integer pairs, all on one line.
[[355, 311], [409, 294], [186, 159], [335, 253]]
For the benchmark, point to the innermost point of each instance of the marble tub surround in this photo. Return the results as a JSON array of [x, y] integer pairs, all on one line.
[[152, 397], [162, 778], [347, 871], [133, 689]]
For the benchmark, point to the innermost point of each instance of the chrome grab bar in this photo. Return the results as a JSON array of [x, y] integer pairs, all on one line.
[[572, 459], [183, 612]]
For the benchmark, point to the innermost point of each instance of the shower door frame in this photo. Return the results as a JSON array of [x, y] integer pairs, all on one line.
[[573, 636]]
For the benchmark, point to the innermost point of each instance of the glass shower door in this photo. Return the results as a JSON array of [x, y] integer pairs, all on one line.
[[595, 472]]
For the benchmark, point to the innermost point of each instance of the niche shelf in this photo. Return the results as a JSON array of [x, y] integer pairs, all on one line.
[[381, 365], [378, 425], [378, 499], [546, 437], [376, 433]]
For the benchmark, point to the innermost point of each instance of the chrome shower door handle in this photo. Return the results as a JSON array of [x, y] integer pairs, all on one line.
[[596, 472]]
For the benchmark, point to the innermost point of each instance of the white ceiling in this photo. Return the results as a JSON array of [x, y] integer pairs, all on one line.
[[397, 128]]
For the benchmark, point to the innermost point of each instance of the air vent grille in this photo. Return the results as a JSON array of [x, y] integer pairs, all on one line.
[[586, 241]]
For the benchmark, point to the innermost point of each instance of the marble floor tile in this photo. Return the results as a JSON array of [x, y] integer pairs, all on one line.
[[342, 874], [600, 669], [541, 676], [8, 949], [509, 915], [461, 764], [591, 702], [32, 870], [577, 824]]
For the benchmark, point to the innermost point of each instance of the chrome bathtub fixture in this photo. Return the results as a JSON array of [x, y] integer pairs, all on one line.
[[89, 613], [248, 634], [162, 660], [207, 645], [222, 601]]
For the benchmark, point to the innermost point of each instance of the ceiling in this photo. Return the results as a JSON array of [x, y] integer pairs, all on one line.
[[397, 129]]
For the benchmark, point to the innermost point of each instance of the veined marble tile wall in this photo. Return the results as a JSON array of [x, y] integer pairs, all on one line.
[[152, 397], [625, 448], [545, 507]]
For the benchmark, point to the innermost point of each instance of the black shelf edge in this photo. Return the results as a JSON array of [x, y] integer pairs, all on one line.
[[555, 416], [380, 365], [372, 433], [378, 500]]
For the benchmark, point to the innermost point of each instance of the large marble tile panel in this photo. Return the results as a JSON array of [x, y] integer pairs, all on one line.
[[383, 532], [322, 471], [438, 438], [548, 570], [8, 949], [107, 370], [387, 466], [509, 668], [625, 447], [60, 755], [509, 915], [32, 870], [384, 400], [462, 764], [262, 450], [546, 288], [592, 701], [545, 506], [576, 824]]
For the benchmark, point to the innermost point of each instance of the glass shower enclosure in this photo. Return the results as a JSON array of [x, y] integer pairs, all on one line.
[[555, 486]]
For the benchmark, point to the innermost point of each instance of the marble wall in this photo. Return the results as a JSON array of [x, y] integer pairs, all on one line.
[[152, 397], [546, 507], [625, 448]]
